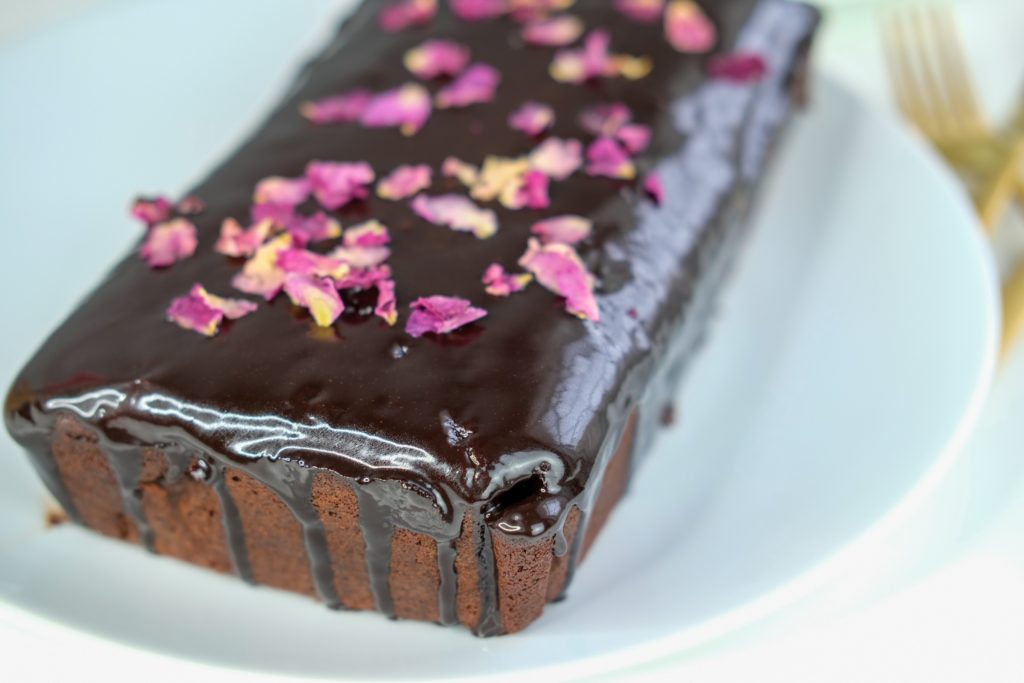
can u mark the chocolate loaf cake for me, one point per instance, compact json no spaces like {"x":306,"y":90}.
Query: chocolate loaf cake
{"x":402,"y":350}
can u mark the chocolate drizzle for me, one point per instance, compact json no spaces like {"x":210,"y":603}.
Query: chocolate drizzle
{"x":234,"y":534}
{"x":448,"y":588}
{"x":378,"y":530}
{"x":538,"y":398}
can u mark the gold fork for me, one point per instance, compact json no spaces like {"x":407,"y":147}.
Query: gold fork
{"x":932,"y":86}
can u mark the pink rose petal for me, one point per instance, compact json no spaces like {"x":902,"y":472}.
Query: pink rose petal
{"x":407,"y":108}
{"x":236,"y":241}
{"x":634,"y":137}
{"x":169,"y":242}
{"x":563,"y":229}
{"x":532,"y":118}
{"x":336,"y":183}
{"x":441,"y":315}
{"x":557,"y":158}
{"x":534,"y":191}
{"x":315,"y":228}
{"x":281,"y":215}
{"x":191,"y":205}
{"x":436,"y":58}
{"x":644,"y":11}
{"x":477,"y":84}
{"x":553,"y":32}
{"x":655,"y":188}
{"x":467,"y":174}
{"x":282,"y":191}
{"x":317,"y":295}
{"x":594,"y":61}
{"x":369,"y":234}
{"x":304,"y":262}
{"x":404,"y":182}
{"x":364,"y":278}
{"x":500,"y":178}
{"x":738,"y":67}
{"x":478,"y":10}
{"x":606,"y":157}
{"x":261,"y":275}
{"x":152,"y":211}
{"x":500,"y":283}
{"x":400,"y":15}
{"x":387,"y":305}
{"x":559,"y":269}
{"x":203,"y":312}
{"x":456,"y":212}
{"x":688,"y":29}
{"x":605,"y":119}
{"x":533,"y":10}
{"x":344,"y":108}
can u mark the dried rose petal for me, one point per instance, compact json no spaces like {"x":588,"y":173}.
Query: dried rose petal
{"x":237,"y":241}
{"x":441,"y":315}
{"x":362,"y":257}
{"x":203,"y":312}
{"x":336,"y":183}
{"x":532,"y":118}
{"x":369,"y":234}
{"x":533,"y":194}
{"x":553,"y":32}
{"x":436,"y":58}
{"x":500,"y":177}
{"x":688,"y":29}
{"x":232,"y":309}
{"x":655,"y":188}
{"x":644,"y":11}
{"x":345,"y":108}
{"x":563,"y":229}
{"x":605,"y":120}
{"x":634,"y":137}
{"x":595,"y":60}
{"x":281,"y":215}
{"x":738,"y":67}
{"x":282,"y":191}
{"x":364,"y":278}
{"x":315,"y":228}
{"x":405,"y":13}
{"x":478,"y":10}
{"x":557,"y":158}
{"x":500,"y":283}
{"x":407,"y":108}
{"x":317,"y":295}
{"x":152,"y":211}
{"x":467,"y":174}
{"x":456,"y":212}
{"x":387,"y":304}
{"x":559,"y":269}
{"x":169,"y":242}
{"x":304,"y":262}
{"x":477,"y":84}
{"x":629,"y":67}
{"x":606,"y":157}
{"x":404,"y":182}
{"x":191,"y":205}
{"x":261,"y":274}
{"x":529,"y":10}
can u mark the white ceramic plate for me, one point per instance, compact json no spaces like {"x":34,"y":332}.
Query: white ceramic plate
{"x":849,"y":361}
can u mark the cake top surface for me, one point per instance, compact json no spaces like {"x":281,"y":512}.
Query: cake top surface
{"x":518,"y":382}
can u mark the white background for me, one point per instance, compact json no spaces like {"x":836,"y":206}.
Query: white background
{"x":942,"y":597}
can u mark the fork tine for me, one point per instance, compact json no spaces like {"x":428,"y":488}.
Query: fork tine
{"x":957,"y":83}
{"x":904,"y":82}
{"x":931,"y":75}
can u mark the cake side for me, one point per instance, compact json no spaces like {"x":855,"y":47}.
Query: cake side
{"x":450,"y":480}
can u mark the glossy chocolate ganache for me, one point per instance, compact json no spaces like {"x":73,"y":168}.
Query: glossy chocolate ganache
{"x":509,"y":421}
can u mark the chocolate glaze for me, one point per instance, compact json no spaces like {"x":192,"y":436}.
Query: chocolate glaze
{"x":510,"y":420}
